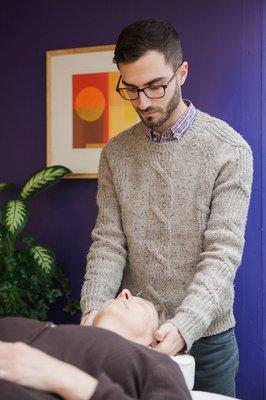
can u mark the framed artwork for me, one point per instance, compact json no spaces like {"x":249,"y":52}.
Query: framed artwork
{"x":83,"y":109}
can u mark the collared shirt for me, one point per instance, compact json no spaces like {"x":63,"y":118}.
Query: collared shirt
{"x":177,"y":130}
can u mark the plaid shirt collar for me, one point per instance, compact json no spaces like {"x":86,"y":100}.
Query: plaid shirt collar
{"x":177,"y":130}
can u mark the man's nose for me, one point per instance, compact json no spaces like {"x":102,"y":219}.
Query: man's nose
{"x":143,"y":101}
{"x":125,"y":295}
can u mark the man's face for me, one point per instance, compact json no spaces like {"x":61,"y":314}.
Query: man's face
{"x":149,"y":70}
{"x":136,"y":318}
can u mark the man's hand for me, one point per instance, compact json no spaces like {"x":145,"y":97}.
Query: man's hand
{"x":88,"y":318}
{"x":27,"y":366}
{"x":171,"y":341}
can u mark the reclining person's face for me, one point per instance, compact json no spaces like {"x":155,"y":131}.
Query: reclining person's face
{"x":131,"y":317}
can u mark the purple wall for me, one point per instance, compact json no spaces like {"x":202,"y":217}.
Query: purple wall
{"x":222,"y":42}
{"x":263,"y":162}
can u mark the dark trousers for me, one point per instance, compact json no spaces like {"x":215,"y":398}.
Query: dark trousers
{"x":217,"y":362}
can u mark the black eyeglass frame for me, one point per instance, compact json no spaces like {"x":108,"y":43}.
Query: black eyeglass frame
{"x":143,"y":90}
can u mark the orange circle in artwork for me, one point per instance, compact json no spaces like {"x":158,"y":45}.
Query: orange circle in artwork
{"x":90,"y":103}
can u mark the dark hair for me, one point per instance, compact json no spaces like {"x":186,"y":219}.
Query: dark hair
{"x":149,"y":34}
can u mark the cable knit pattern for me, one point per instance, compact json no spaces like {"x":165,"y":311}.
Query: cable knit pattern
{"x":171,"y":224}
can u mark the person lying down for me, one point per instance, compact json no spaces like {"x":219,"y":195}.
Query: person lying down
{"x":110,"y":360}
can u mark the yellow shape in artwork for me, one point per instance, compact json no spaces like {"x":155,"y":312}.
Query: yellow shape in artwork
{"x":89,"y":103}
{"x":114,"y":98}
{"x":121,"y":118}
{"x":122,"y":115}
{"x":90,"y":114}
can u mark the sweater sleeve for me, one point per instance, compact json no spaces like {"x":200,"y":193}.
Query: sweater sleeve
{"x":107,"y":256}
{"x":209,"y":295}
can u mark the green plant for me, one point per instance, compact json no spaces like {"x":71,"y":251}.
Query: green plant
{"x":30,"y":279}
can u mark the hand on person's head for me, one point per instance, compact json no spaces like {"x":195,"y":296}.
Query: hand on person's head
{"x":87,"y":320}
{"x":169,"y":340}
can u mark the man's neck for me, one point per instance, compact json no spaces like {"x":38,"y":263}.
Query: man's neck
{"x":107,"y":323}
{"x":176,"y":115}
{"x":110,"y":325}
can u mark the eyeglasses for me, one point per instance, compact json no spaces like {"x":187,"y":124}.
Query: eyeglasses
{"x":152,"y":92}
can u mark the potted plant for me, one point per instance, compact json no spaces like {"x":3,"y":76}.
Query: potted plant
{"x":30,"y":279}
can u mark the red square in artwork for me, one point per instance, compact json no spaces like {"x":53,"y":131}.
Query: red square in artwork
{"x":90,"y":110}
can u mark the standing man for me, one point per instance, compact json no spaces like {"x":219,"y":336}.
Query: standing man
{"x":173,"y":198}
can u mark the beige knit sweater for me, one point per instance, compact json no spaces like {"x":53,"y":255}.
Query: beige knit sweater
{"x":171,"y":224}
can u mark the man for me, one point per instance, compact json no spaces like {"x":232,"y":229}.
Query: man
{"x":79,"y":363}
{"x":173,"y":199}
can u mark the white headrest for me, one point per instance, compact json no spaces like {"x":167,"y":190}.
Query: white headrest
{"x":187,"y":366}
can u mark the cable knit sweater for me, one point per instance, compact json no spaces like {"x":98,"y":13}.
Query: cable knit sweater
{"x":171,"y":224}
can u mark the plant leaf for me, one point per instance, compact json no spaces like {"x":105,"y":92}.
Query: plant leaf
{"x":72,"y":307}
{"x":6,"y":186}
{"x":42,"y":180}
{"x":15,"y":216}
{"x":2,"y":240}
{"x":43,"y":258}
{"x":28,"y":241}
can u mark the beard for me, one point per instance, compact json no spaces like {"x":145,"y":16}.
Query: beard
{"x":173,"y":103}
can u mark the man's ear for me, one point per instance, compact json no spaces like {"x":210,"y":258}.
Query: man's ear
{"x":183,"y":73}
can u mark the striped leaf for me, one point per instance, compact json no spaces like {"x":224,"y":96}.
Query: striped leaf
{"x":43,"y":258}
{"x":15,"y":216}
{"x":42,"y":180}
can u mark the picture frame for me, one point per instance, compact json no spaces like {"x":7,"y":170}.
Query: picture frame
{"x":84,"y":111}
